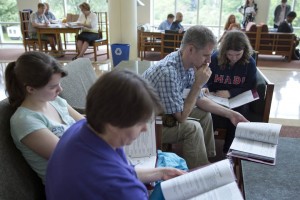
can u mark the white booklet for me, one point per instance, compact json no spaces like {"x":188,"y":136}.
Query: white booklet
{"x":239,"y":100}
{"x":256,"y":141}
{"x":142,"y":152}
{"x":214,"y":182}
{"x":73,"y":25}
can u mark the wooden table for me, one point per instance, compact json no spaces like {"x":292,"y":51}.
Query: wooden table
{"x":55,"y":29}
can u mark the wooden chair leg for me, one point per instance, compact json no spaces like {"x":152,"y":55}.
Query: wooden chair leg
{"x":65,"y":41}
{"x":107,"y":50}
{"x":95,"y":53}
{"x":25,"y":46}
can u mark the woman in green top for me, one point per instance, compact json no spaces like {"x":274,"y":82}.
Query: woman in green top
{"x":41,"y":116}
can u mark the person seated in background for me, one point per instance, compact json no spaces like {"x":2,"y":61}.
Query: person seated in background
{"x":89,"y":21}
{"x":38,"y":19}
{"x":176,"y":25}
{"x":231,"y":24}
{"x":287,"y":27}
{"x":50,"y":16}
{"x":281,"y":12}
{"x":89,"y":162}
{"x":166,"y":25}
{"x":179,"y":72}
{"x":233,"y":72}
{"x":41,"y":117}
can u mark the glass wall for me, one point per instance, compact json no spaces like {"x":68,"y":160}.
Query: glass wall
{"x":211,"y":13}
{"x":10,"y":22}
{"x":10,"y":31}
{"x":214,"y":13}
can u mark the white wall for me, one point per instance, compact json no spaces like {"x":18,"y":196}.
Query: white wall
{"x":263,"y":11}
{"x":27,"y":4}
{"x":144,"y":12}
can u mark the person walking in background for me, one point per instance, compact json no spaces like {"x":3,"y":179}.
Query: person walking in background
{"x":41,"y":117}
{"x":166,"y":25}
{"x":89,"y":21}
{"x":89,"y":162}
{"x":287,"y":27}
{"x":281,"y":12}
{"x":176,"y":25}
{"x":233,"y":72}
{"x":179,"y":72}
{"x":50,"y":16}
{"x":249,"y":11}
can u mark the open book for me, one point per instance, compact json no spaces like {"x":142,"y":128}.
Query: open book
{"x":215,"y":181}
{"x":239,"y":100}
{"x":256,"y":141}
{"x":142,"y":152}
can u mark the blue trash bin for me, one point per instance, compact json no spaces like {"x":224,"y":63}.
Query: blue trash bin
{"x":120,"y":52}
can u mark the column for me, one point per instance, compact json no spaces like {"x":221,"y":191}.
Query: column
{"x":123,"y":24}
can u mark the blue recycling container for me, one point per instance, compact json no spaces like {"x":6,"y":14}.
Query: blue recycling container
{"x":120,"y":52}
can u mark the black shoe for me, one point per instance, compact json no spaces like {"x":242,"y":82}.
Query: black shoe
{"x":74,"y":58}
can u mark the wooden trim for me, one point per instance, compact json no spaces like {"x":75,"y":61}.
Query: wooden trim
{"x":268,"y":97}
{"x":272,"y":43}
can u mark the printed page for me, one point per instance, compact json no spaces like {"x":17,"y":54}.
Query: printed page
{"x":199,"y":181}
{"x":144,"y":147}
{"x":251,"y":148}
{"x":243,"y":98}
{"x":228,"y":192}
{"x":260,"y":131}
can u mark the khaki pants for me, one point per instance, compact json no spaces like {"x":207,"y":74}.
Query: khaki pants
{"x":197,"y":138}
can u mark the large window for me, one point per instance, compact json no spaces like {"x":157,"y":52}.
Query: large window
{"x":71,"y":6}
{"x":9,"y":22}
{"x":295,"y":6}
{"x":211,"y":13}
{"x":9,"y":15}
{"x":214,"y":13}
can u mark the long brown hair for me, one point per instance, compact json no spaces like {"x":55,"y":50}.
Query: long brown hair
{"x":234,"y":40}
{"x":228,"y":21}
{"x":33,"y":69}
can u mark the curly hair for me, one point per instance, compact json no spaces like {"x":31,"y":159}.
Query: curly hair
{"x":237,"y":41}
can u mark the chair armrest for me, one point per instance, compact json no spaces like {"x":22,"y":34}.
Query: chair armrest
{"x":261,"y":108}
